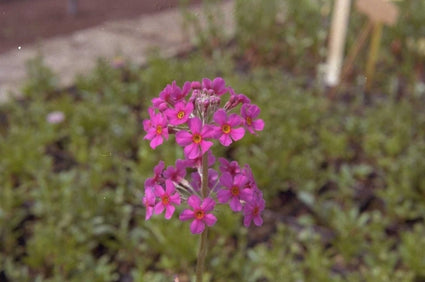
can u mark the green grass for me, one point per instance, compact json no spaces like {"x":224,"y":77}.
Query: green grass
{"x":343,"y":178}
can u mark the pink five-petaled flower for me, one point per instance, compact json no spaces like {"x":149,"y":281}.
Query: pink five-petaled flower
{"x":157,"y":178}
{"x":180,"y":114}
{"x":249,"y":112}
{"x":218,"y":85}
{"x":252,"y":211}
{"x":226,"y":130}
{"x":166,"y":199}
{"x":156,"y":129}
{"x":194,"y":142}
{"x":149,"y":202}
{"x":199,"y":214}
{"x":177,"y":173}
{"x":234,"y":191}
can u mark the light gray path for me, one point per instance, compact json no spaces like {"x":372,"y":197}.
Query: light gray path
{"x":77,"y":53}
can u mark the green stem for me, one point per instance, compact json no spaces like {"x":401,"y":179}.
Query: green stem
{"x":202,"y":251}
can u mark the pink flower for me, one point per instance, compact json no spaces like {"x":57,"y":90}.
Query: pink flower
{"x":227,"y":131}
{"x":194,"y":143}
{"x":167,"y":199}
{"x":55,"y":117}
{"x":234,"y":192}
{"x":170,"y":95}
{"x":230,"y":167}
{"x":235,"y":99}
{"x":180,"y":114}
{"x":156,"y":128}
{"x":250,"y":112}
{"x":176,"y":173}
{"x":149,"y":202}
{"x":252,"y":211}
{"x":157,"y":178}
{"x":218,"y":85}
{"x":199,"y":214}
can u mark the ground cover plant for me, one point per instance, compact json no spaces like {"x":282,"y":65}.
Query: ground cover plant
{"x":342,"y":179}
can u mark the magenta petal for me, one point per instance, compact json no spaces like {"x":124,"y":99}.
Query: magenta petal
{"x":175,"y":199}
{"x":159,"y":191}
{"x":195,"y":125}
{"x":237,"y":133}
{"x":208,"y":204}
{"x":258,"y":124}
{"x":218,"y":83}
{"x":194,"y":201}
{"x":197,"y":226}
{"x":183,"y":138}
{"x":159,"y":208}
{"x":205,"y":146}
{"x":210,"y":131}
{"x":234,"y":120}
{"x":225,"y":140}
{"x":210,"y":219}
{"x":169,"y":210}
{"x":226,"y":180}
{"x":156,"y":141}
{"x":235,"y":204}
{"x":186,"y":215}
{"x":169,"y":187}
{"x":192,"y":151}
{"x":220,"y":116}
{"x":258,"y":220}
{"x":223,"y":196}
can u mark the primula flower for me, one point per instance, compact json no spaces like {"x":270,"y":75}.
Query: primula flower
{"x":157,"y":178}
{"x":167,"y":199}
{"x":252,"y":211}
{"x":156,"y":129}
{"x":234,"y":192}
{"x":235,"y":99}
{"x":218,"y":85}
{"x":194,"y":143}
{"x":230,"y":167}
{"x":227,"y":131}
{"x":180,"y":114}
{"x":249,"y":113}
{"x":149,"y":202}
{"x":176,"y":173}
{"x":170,"y":95}
{"x":199,"y":214}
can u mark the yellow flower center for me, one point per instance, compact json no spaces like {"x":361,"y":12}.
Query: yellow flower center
{"x":158,"y":129}
{"x":180,"y":115}
{"x":234,"y":190}
{"x":199,"y":214}
{"x":196,"y":138}
{"x":249,"y":120}
{"x":225,"y":128}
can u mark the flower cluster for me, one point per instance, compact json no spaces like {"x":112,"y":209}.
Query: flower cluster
{"x":195,"y":115}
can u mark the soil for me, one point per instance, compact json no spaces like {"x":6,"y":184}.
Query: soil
{"x":28,"y":21}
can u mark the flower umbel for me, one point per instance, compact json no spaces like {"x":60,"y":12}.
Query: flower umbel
{"x":200,"y":115}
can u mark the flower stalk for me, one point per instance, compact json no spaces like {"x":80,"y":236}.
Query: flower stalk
{"x":202,"y":251}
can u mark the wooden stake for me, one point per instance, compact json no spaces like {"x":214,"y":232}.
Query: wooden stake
{"x":337,"y":41}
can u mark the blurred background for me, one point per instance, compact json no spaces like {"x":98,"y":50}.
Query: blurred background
{"x":342,"y":169}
